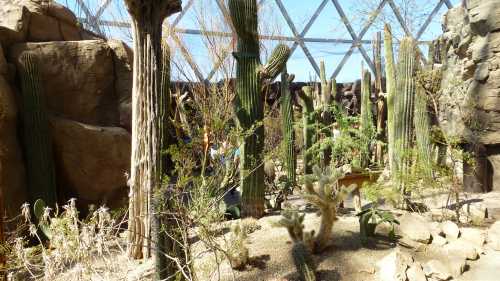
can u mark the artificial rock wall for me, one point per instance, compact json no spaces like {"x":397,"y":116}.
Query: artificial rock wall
{"x":87,"y":84}
{"x":470,"y":101}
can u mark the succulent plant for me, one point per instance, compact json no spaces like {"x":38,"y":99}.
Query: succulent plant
{"x":36,"y":133}
{"x":367,"y":128}
{"x":249,"y":107}
{"x":308,"y":124}
{"x":288,"y":131}
{"x":326,"y":196}
{"x":390,"y":74}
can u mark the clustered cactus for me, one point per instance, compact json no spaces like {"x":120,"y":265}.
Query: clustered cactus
{"x":249,"y":107}
{"x":288,"y":131}
{"x":322,"y":191}
{"x":36,"y":134}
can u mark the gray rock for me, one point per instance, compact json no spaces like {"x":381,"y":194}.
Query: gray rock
{"x":437,"y":270}
{"x":494,"y":236}
{"x":474,"y":236}
{"x":475,"y":213}
{"x":462,"y":248}
{"x":450,"y":230}
{"x":416,"y":273}
{"x":482,"y":72}
{"x":415,"y":228}
{"x":456,"y":265}
{"x":393,"y":266}
{"x":438,"y":240}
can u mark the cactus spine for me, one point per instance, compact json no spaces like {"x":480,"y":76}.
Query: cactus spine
{"x":390,"y":73}
{"x":36,"y":133}
{"x":404,"y":105}
{"x":249,"y":107}
{"x":288,"y":132}
{"x":367,"y":128}
{"x":308,"y":124}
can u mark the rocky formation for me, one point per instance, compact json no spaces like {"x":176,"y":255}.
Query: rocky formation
{"x":87,"y":84}
{"x":471,"y":88}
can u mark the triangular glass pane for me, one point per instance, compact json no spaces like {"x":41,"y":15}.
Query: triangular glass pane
{"x":272,"y":21}
{"x":328,"y":25}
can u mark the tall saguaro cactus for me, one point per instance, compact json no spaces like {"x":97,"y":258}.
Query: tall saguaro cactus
{"x":390,"y":72}
{"x":145,"y":174}
{"x":367,"y":128}
{"x":288,"y":132}
{"x":249,"y":101}
{"x":404,"y":105}
{"x":308,"y":124}
{"x":36,"y":134}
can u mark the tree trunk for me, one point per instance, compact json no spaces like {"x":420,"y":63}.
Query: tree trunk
{"x":145,"y":173}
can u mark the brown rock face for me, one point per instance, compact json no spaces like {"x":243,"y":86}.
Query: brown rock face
{"x":92,"y":161}
{"x":78,"y":79}
{"x":43,"y":28}
{"x":12,"y":174}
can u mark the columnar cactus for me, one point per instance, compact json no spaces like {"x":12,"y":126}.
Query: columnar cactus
{"x":308,"y":123}
{"x":390,"y":73}
{"x":288,"y":131}
{"x":404,"y":105}
{"x":36,"y":134}
{"x":422,"y":131}
{"x":366,"y":126}
{"x":248,"y":102}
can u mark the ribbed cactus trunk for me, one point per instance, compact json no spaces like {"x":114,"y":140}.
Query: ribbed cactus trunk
{"x":249,"y":106}
{"x":165,"y":232}
{"x":147,"y":17}
{"x":36,"y":134}
{"x":422,"y":132}
{"x":390,"y":72}
{"x":404,"y":105}
{"x":288,"y":131}
{"x":367,"y":128}
{"x":308,"y":127}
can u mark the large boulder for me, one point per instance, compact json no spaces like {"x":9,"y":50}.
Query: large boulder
{"x":393,"y":266}
{"x":92,"y":162}
{"x":12,"y":173}
{"x":37,"y":21}
{"x":415,"y":227}
{"x":123,"y":58}
{"x":78,"y":79}
{"x":494,"y":236}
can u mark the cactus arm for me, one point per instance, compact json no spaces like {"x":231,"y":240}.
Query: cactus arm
{"x":276,"y":62}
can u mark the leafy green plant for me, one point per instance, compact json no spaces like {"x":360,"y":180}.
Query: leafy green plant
{"x":370,"y":218}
